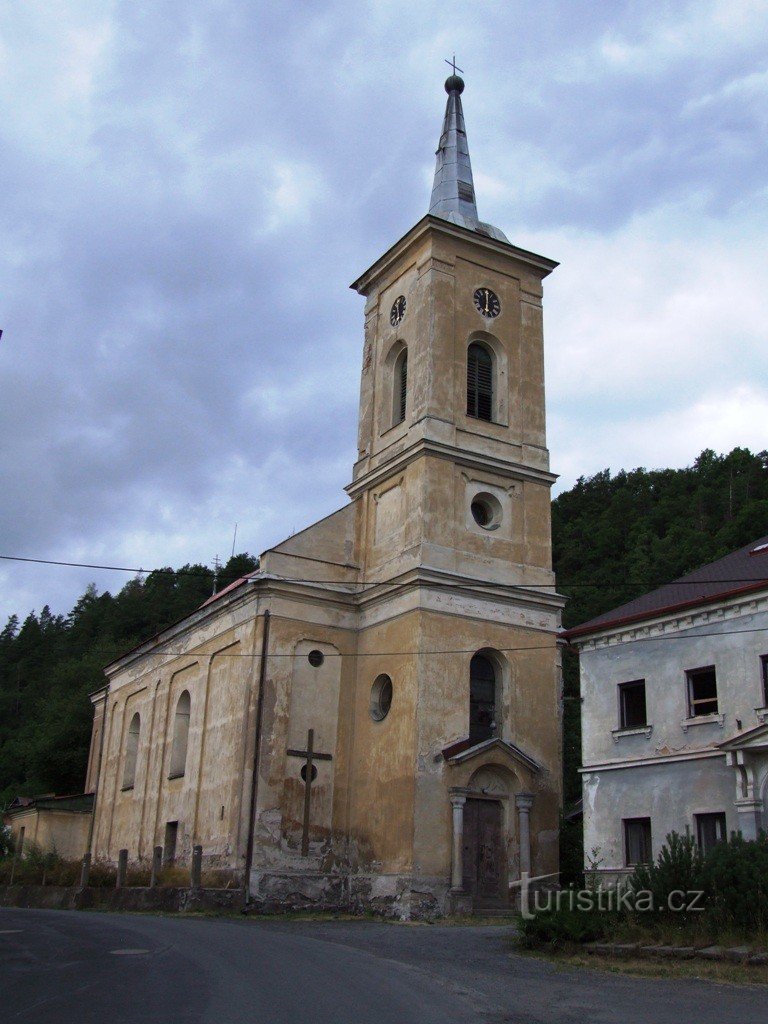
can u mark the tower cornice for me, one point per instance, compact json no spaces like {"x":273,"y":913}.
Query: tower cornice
{"x":365,"y":283}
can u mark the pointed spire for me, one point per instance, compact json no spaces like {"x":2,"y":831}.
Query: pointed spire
{"x":453,"y":191}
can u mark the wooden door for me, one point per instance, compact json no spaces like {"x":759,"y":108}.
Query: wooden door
{"x":484,"y":860}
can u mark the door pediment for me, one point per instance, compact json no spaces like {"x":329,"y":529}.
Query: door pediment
{"x":507,"y":753}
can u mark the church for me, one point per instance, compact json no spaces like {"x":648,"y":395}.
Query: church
{"x":371,"y":720}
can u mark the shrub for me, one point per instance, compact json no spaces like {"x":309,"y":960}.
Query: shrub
{"x":678,"y":869}
{"x":102,"y":875}
{"x":7,"y":845}
{"x":735,"y":878}
{"x":560,"y":927}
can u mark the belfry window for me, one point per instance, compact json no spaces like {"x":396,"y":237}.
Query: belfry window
{"x":482,"y":699}
{"x":131,"y":752}
{"x":400,"y":389}
{"x":180,"y":736}
{"x":479,"y":382}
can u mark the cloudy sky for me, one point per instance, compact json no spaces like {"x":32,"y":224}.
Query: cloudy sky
{"x":187,"y":189}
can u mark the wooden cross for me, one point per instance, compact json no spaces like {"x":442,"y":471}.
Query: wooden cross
{"x":453,"y":65}
{"x":311,"y":755}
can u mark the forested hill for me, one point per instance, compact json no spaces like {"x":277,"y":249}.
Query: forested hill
{"x":50,"y":663}
{"x":614,"y":538}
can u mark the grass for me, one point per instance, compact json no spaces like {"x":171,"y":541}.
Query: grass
{"x":693,"y":970}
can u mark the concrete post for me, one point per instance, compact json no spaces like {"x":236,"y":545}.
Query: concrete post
{"x":524,"y":802}
{"x":157,"y":864}
{"x":197,"y":866}
{"x":85,"y":871}
{"x":457,"y":865}
{"x":122,"y":867}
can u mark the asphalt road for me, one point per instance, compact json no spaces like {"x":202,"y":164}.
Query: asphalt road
{"x":60,"y":967}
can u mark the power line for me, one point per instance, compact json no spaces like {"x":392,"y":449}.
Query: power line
{"x":120,"y":652}
{"x":201,"y":570}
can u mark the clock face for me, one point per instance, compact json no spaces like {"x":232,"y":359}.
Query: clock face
{"x":397,"y":312}
{"x":487,"y":303}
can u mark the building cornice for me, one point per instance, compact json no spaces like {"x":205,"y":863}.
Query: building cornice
{"x":459,"y":456}
{"x":670,"y":621}
{"x":647,"y":762}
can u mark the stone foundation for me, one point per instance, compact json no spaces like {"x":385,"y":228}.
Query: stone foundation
{"x":395,"y":896}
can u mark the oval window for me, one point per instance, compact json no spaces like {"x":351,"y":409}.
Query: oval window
{"x":315,"y":658}
{"x":381,"y":697}
{"x":486,"y":511}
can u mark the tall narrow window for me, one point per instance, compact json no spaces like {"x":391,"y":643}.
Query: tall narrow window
{"x":479,"y":382}
{"x":764,"y":671}
{"x":131,"y":752}
{"x":400,"y":386}
{"x":482,"y":699}
{"x":180,"y":736}
{"x":637,"y":841}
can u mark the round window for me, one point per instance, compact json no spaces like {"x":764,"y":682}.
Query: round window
{"x":304,"y":772}
{"x":381,"y":697}
{"x":486,"y":511}
{"x":315,"y":658}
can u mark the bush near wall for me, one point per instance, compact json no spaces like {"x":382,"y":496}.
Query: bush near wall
{"x":733,"y":877}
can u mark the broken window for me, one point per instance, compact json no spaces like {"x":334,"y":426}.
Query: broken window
{"x":637,"y":841}
{"x":702,"y":691}
{"x":632,"y":713}
{"x":180,"y":736}
{"x":710,"y":830}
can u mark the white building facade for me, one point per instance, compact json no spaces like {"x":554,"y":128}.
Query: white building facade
{"x":674,"y":689}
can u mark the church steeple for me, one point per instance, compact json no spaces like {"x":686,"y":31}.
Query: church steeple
{"x":453,"y":190}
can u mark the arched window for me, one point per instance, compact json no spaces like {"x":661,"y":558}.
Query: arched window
{"x":400,"y":387}
{"x":180,"y":736}
{"x":479,"y":382}
{"x":131,"y":752}
{"x":482,"y":699}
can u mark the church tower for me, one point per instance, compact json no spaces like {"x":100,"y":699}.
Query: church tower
{"x":453,"y":485}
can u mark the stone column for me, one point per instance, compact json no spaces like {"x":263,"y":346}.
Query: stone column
{"x":197,"y":866}
{"x":85,"y":871}
{"x":524,"y":802}
{"x":457,"y":865}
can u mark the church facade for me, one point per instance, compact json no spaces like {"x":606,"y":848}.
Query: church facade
{"x":372,"y":718}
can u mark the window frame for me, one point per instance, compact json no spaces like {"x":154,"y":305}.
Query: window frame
{"x":690,"y":679}
{"x":474,"y":389}
{"x":646,"y":840}
{"x":623,"y":690}
{"x":478,"y":730}
{"x":716,"y":817}
{"x":400,"y":387}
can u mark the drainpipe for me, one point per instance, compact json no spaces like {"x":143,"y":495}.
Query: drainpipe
{"x":256,"y":753}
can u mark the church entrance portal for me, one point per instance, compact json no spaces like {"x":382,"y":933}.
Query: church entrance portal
{"x":484,"y":862}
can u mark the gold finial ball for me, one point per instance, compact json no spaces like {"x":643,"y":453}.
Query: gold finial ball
{"x":454,"y":84}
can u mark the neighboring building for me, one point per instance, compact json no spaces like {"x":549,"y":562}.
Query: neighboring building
{"x":59,"y":823}
{"x":674,"y":689}
{"x":409,"y":640}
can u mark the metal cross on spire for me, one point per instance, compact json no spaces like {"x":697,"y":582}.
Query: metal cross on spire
{"x":452,"y":63}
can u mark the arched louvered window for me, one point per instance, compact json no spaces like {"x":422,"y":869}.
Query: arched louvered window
{"x":479,"y":382}
{"x":131,"y":752}
{"x":180,"y":736}
{"x":482,"y":699}
{"x":400,"y":386}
